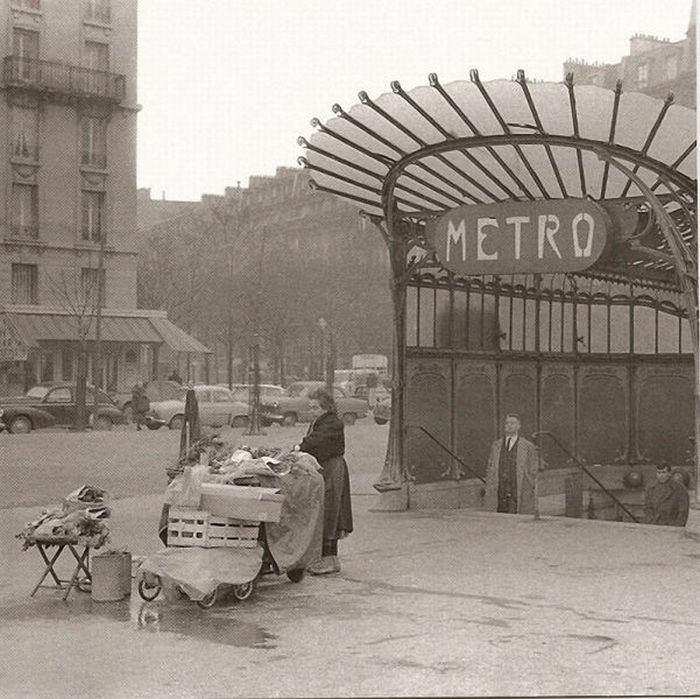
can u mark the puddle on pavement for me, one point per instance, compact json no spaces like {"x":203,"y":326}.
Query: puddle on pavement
{"x":183,"y":618}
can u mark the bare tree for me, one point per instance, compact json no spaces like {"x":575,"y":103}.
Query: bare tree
{"x":78,"y":297}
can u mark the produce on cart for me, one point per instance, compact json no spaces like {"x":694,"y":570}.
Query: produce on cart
{"x":246,"y":510}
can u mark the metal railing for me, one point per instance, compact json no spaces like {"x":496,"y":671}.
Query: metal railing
{"x":60,"y":78}
{"x":444,"y":448}
{"x":580,"y":465}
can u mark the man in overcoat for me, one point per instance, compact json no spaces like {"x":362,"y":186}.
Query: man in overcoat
{"x":666,"y":501}
{"x":511,"y":472}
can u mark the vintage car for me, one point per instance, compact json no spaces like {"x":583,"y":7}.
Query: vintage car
{"x":294,"y":406}
{"x":243,"y":391}
{"x":157,"y":390}
{"x":54,"y":405}
{"x":217,"y":407}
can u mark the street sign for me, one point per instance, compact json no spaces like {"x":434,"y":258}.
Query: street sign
{"x":548,"y":236}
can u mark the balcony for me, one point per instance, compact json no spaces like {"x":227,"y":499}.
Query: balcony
{"x":61,"y":80}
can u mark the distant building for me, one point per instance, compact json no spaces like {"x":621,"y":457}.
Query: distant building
{"x":653,"y":66}
{"x":317,"y":231}
{"x":68,"y":110}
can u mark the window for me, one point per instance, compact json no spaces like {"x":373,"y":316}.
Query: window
{"x":671,"y":67}
{"x":26,"y":49}
{"x":97,"y":59}
{"x":93,"y":139}
{"x":88,"y":283}
{"x":204,"y":396}
{"x":46,"y":371}
{"x":67,"y":365}
{"x":92,"y":215}
{"x":96,"y":55}
{"x":25,"y":132}
{"x":59,"y":395}
{"x":25,"y":211}
{"x":97,"y":11}
{"x":25,"y":284}
{"x":643,"y":75}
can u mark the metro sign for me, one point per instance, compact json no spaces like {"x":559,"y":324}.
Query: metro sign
{"x":558,"y":235}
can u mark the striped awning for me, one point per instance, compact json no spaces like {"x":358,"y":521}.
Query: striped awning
{"x":177,"y":339}
{"x":32,"y":328}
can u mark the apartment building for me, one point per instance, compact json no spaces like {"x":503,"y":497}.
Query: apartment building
{"x":68,"y":112}
{"x":655,"y":66}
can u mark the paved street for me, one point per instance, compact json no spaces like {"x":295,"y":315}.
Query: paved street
{"x":432,"y":603}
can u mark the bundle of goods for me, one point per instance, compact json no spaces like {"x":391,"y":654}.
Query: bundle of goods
{"x":82,"y":518}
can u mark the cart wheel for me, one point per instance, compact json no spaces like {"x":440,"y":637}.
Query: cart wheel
{"x":150,"y":591}
{"x":296,"y":575}
{"x":208,"y":601}
{"x":243,"y":592}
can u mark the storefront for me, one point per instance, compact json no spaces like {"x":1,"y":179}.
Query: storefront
{"x":543,"y":243}
{"x":40,"y":344}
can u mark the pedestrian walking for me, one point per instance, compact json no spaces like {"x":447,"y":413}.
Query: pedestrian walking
{"x":325,"y":441}
{"x":666,"y":501}
{"x":511,"y":472}
{"x":139,"y":405}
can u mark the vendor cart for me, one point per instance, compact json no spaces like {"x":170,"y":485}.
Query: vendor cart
{"x":208,"y":555}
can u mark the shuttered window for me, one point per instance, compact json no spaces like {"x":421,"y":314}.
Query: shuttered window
{"x":93,"y":136}
{"x":25,"y":284}
{"x":25,"y":211}
{"x":92,"y":215}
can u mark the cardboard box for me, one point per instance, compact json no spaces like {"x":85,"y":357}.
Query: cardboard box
{"x":240,"y":502}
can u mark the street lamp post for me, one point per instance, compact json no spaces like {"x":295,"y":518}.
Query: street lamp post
{"x":331,"y":356}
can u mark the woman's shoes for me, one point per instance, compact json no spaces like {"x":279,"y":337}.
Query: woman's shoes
{"x":327,"y":564}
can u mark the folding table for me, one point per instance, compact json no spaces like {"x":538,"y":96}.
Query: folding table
{"x":82,"y":558}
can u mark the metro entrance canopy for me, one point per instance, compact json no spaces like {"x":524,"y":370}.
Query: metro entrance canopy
{"x":540,"y":193}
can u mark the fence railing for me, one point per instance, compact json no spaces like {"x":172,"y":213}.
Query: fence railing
{"x":54,"y":77}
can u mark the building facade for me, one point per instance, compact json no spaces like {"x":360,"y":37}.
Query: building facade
{"x":68,"y":111}
{"x":327,"y":263}
{"x":653,"y":66}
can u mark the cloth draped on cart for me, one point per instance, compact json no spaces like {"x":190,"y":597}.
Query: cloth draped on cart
{"x":199,"y":571}
{"x":293,"y":543}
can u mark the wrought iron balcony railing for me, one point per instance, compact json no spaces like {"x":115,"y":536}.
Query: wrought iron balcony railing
{"x":60,"y":79}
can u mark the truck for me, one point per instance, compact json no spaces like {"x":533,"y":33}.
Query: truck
{"x":377,"y":363}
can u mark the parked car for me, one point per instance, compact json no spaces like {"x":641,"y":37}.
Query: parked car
{"x":243,"y":391}
{"x":157,"y":390}
{"x":295,"y":406}
{"x":54,"y":405}
{"x":217,"y":407}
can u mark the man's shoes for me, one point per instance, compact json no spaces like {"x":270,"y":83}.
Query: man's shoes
{"x":328,"y":564}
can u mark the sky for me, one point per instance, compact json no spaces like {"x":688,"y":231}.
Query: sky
{"x":227,"y":86}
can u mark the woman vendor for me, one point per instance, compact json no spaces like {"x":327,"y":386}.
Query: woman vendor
{"x":325,"y":441}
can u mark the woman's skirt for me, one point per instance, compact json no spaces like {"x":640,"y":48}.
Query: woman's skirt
{"x":337,"y":515}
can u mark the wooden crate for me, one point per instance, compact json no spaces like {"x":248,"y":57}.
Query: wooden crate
{"x":190,"y":527}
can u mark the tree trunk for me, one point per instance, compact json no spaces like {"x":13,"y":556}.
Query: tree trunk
{"x":81,"y":388}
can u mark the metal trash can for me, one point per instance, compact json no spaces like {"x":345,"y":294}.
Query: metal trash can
{"x":108,"y":577}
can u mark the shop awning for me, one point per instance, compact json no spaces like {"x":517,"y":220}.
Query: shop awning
{"x":177,"y":339}
{"x":35,"y":327}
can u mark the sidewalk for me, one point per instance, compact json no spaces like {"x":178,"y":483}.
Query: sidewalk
{"x":428,"y":603}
